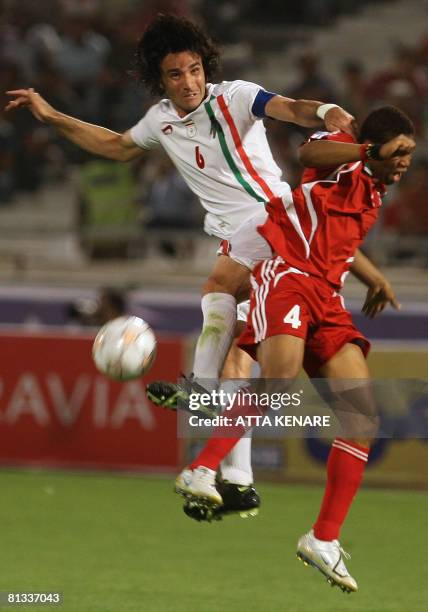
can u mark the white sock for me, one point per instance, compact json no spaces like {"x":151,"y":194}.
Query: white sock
{"x":219,"y":311}
{"x":236,"y":466}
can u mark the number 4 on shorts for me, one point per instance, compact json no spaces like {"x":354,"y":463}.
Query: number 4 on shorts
{"x":293,"y":317}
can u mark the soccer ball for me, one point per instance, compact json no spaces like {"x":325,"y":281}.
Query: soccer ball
{"x":124,"y":348}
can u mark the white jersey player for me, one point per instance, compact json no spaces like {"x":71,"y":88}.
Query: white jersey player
{"x":215,"y":136}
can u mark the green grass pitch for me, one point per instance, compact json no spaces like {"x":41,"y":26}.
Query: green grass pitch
{"x":117,"y":544}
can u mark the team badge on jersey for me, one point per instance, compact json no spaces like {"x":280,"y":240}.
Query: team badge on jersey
{"x":190,"y":129}
{"x":167,"y":129}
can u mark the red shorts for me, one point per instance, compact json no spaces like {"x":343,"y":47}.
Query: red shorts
{"x":286,"y":301}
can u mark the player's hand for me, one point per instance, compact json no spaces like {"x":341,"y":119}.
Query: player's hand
{"x":33,"y":101}
{"x":337,"y":119}
{"x":377,"y":298}
{"x":400,"y":145}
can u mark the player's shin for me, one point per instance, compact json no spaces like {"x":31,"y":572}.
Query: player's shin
{"x":219,"y":312}
{"x":345,"y":469}
{"x":236,"y":467}
{"x":225,"y":437}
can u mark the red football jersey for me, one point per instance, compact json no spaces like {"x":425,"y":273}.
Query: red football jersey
{"x":332,"y":211}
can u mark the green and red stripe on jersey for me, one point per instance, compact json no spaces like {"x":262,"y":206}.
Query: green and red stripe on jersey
{"x":239,"y":149}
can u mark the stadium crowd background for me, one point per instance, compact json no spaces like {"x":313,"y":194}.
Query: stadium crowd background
{"x":78,"y":54}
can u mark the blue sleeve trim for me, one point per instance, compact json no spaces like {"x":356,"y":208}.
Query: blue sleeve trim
{"x":260,"y":101}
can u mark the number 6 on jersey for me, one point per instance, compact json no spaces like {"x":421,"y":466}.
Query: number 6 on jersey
{"x":293,"y":317}
{"x":199,"y":158}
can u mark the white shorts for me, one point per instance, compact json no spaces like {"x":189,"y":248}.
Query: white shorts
{"x":246,"y":246}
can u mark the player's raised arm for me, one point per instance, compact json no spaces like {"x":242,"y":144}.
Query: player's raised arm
{"x":93,"y":138}
{"x":310,"y":113}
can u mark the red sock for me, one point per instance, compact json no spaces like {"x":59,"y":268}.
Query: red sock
{"x":218,"y":446}
{"x":345,"y":468}
{"x":214,"y":452}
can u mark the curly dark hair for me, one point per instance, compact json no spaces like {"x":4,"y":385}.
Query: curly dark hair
{"x":384,"y":124}
{"x":171,"y":34}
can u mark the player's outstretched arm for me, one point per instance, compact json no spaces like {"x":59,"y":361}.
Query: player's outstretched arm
{"x":310,"y":113}
{"x":327,"y":153}
{"x":379,"y":292}
{"x":92,"y":138}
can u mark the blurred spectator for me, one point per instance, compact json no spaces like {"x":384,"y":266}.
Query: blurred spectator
{"x":32,"y":158}
{"x":80,"y":7}
{"x":305,"y":11}
{"x":142,"y":13}
{"x":107,"y":305}
{"x":8,"y":135}
{"x":311,"y":83}
{"x":81,"y":59}
{"x":313,"y":12}
{"x":109,"y":219}
{"x":408,"y":212}
{"x":353,"y":95}
{"x":7,"y":156}
{"x":403,"y":84}
{"x":222,"y":19}
{"x":82,"y":53}
{"x":42,"y":43}
{"x":13,"y":49}
{"x":123,"y":102}
{"x":50,"y":83}
{"x":10,"y":74}
{"x":421,"y":53}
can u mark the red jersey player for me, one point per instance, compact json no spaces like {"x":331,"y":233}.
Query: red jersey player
{"x":297,"y":316}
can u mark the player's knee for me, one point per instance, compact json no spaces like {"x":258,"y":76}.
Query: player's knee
{"x":280,"y":371}
{"x":218,"y":284}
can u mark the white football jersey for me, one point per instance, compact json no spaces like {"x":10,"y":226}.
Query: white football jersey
{"x":221,"y":151}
